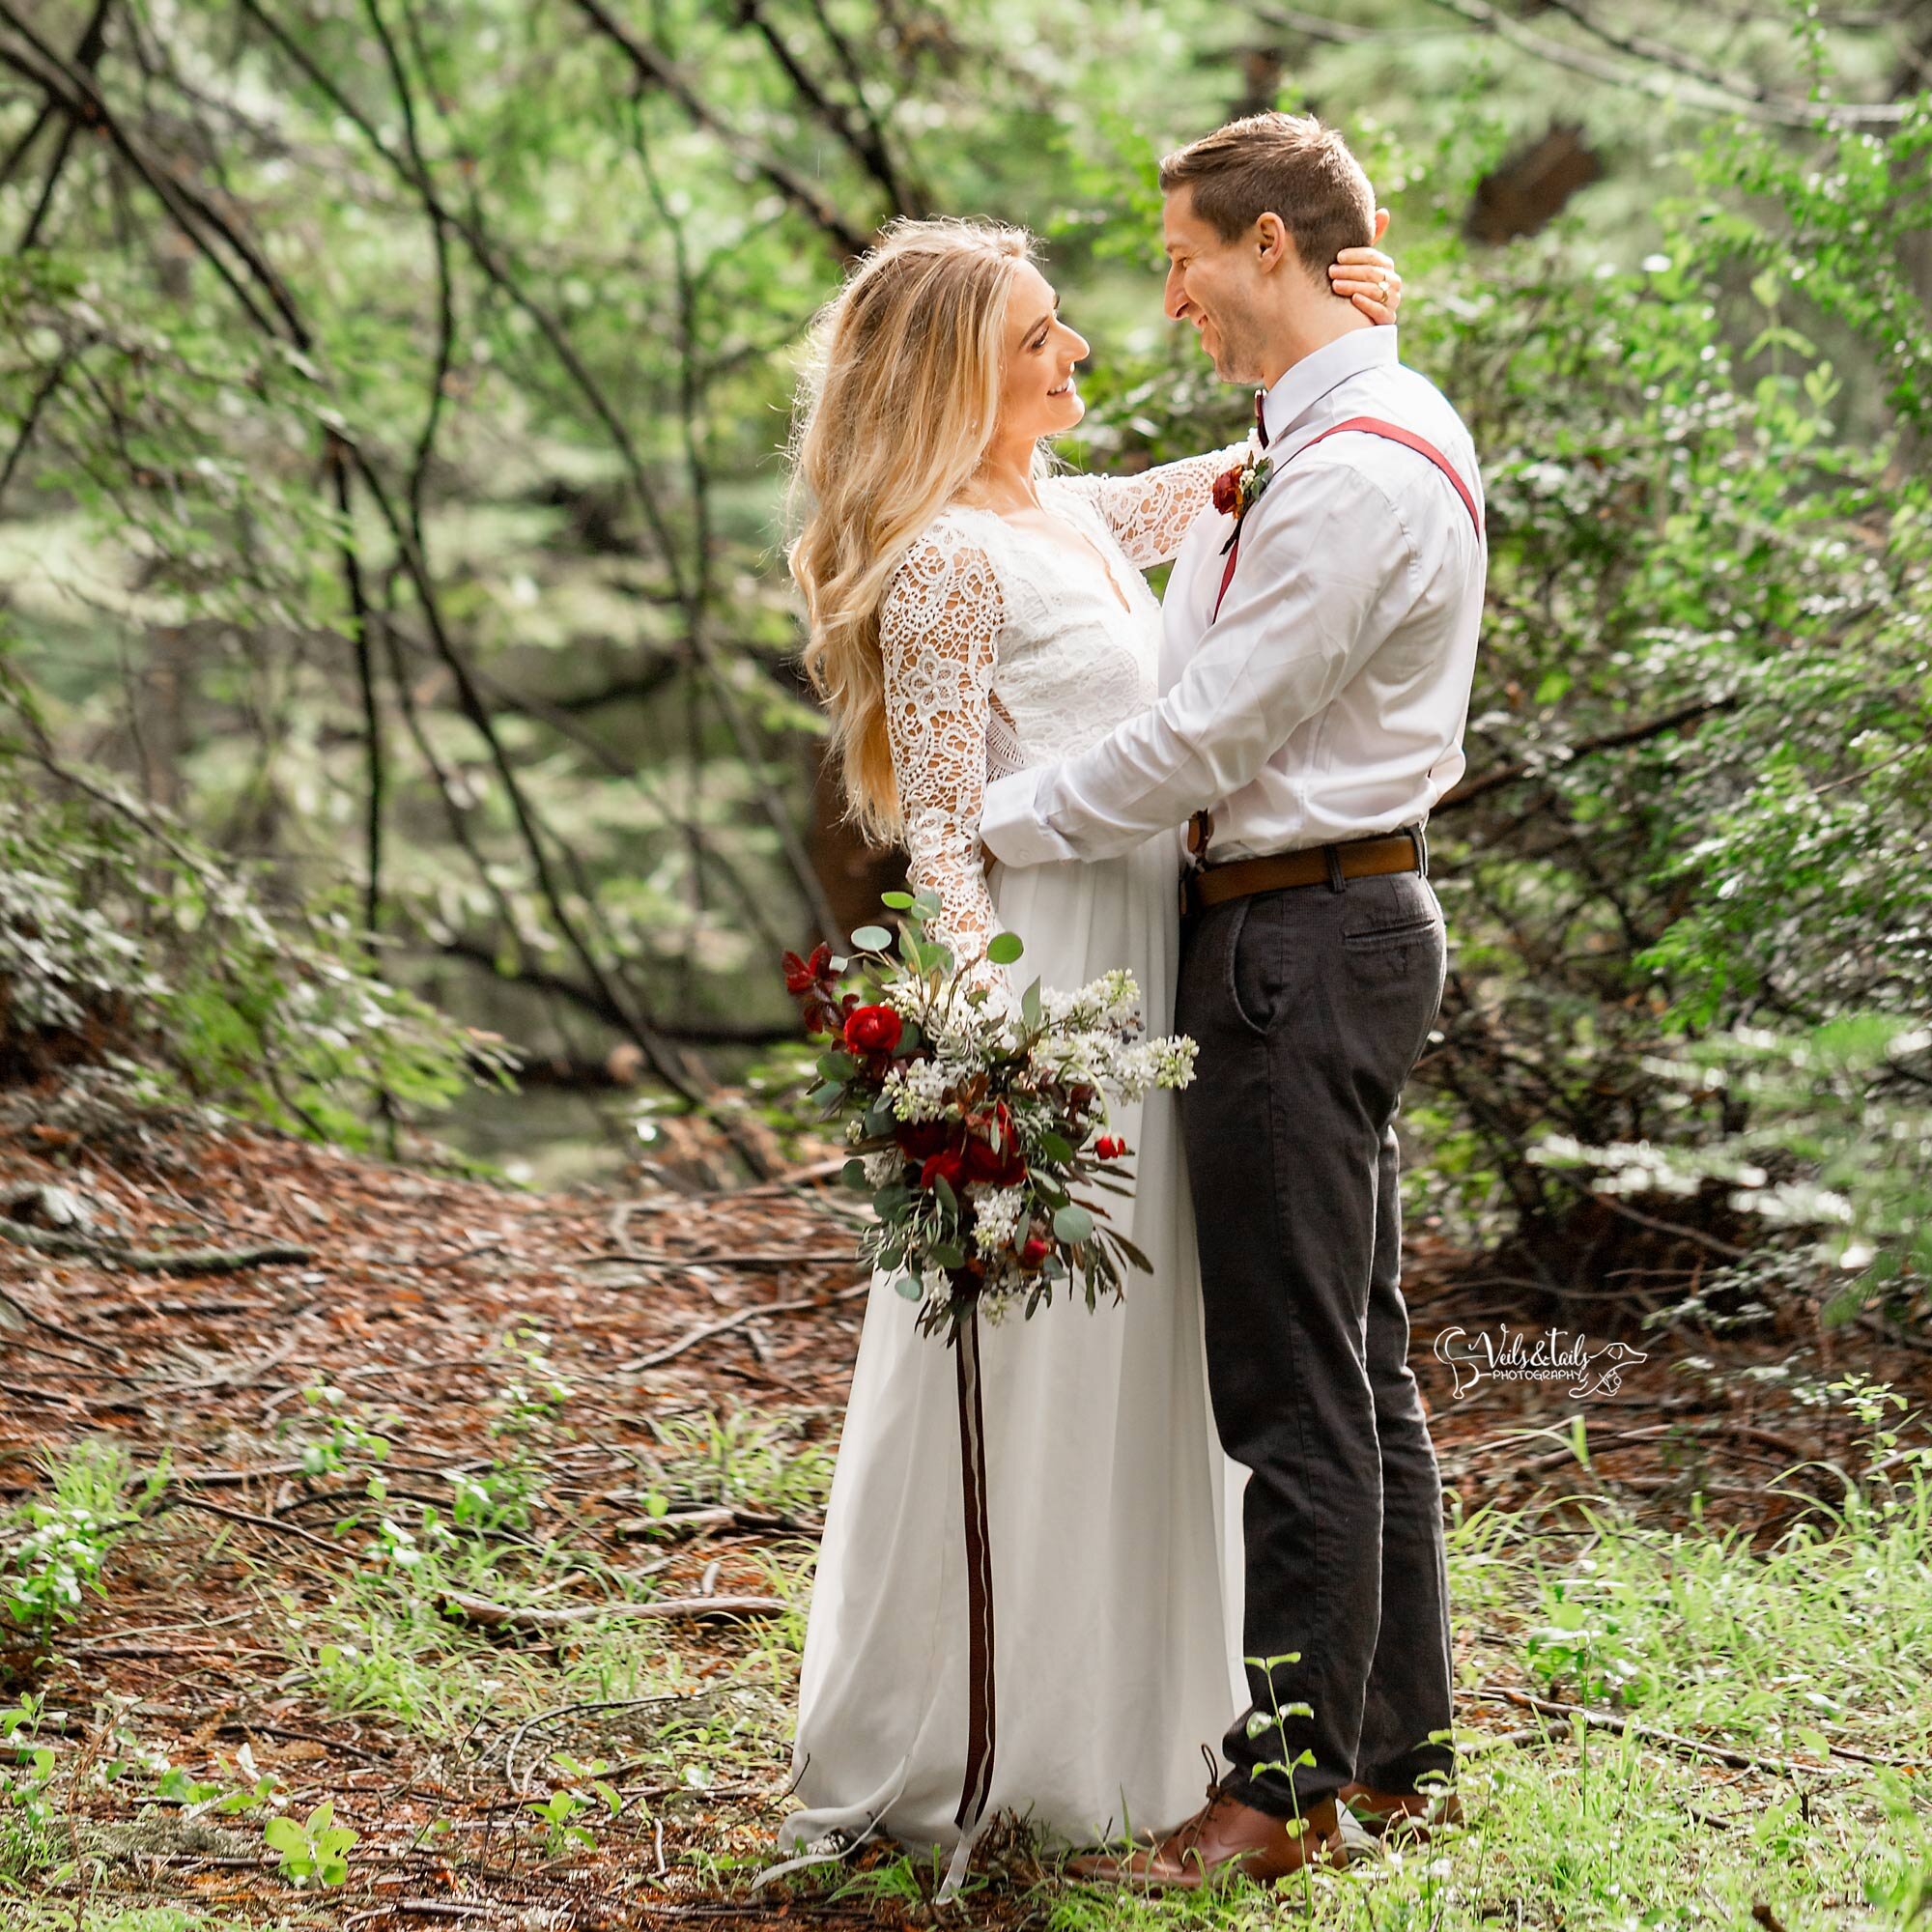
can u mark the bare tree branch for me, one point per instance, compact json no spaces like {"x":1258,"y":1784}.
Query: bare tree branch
{"x":202,"y":225}
{"x":86,"y":55}
{"x":1471,"y":789}
{"x":658,"y":69}
{"x":1772,"y":110}
{"x":862,"y":137}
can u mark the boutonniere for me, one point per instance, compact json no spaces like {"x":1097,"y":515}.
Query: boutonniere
{"x":1239,"y":490}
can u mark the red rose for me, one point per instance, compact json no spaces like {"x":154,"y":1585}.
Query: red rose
{"x":993,"y":1149}
{"x":1228,"y":490}
{"x":1000,"y":1170}
{"x":1034,"y":1253}
{"x":921,"y":1140}
{"x":1109,"y":1147}
{"x":948,"y":1162}
{"x":873,"y":1030}
{"x":802,"y":975}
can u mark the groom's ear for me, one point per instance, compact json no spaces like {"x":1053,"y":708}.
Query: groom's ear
{"x":1381,"y":223}
{"x":1274,"y":245}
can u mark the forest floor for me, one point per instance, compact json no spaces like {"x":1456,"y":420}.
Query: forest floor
{"x":483,"y":1528}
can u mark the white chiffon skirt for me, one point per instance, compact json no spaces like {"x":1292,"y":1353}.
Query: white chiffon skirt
{"x":1113,"y":1513}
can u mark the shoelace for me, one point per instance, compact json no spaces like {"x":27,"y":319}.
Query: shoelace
{"x":1190,"y":1834}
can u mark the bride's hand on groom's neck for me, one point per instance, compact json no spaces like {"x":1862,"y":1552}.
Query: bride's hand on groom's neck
{"x":1367,"y":277}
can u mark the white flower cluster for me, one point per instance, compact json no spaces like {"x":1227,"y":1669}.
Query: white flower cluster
{"x":1112,"y":1002}
{"x":884,"y":1167}
{"x":1167,"y":1061}
{"x":48,"y":1567}
{"x":917,"y":1089}
{"x":1124,"y":1068}
{"x":996,"y":1217}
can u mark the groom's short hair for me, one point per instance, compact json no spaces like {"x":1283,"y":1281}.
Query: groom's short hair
{"x":1286,"y":164}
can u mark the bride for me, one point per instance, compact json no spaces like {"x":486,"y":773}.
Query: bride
{"x":972,"y":613}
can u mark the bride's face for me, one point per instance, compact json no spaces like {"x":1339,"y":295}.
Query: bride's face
{"x":1038,"y":394}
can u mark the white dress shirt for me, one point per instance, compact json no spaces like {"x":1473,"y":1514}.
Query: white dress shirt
{"x":1327,"y":700}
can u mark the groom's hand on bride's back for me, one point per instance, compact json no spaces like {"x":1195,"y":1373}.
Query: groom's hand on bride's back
{"x":1368,"y":278}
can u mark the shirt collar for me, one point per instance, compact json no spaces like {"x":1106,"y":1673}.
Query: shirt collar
{"x":1302,"y":385}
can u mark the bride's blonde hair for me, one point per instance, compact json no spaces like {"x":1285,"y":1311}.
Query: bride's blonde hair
{"x":898,"y":406}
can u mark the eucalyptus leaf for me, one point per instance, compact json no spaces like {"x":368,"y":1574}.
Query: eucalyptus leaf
{"x":1031,"y":1009}
{"x":1072,"y":1224}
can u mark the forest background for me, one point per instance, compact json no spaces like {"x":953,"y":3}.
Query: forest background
{"x":396,"y":629}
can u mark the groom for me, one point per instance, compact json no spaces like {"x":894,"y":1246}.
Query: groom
{"x":1317,"y":666}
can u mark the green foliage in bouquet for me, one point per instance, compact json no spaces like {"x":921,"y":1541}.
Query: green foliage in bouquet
{"x":974,"y":1118}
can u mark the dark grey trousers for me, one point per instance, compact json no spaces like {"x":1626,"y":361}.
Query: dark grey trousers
{"x":1311,"y":1006}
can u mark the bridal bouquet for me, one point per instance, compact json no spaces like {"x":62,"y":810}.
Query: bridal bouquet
{"x":974,"y":1122}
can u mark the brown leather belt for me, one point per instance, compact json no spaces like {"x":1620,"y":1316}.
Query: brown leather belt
{"x":1331,"y":865}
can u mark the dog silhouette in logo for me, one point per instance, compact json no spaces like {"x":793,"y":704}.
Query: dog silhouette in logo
{"x":1605,"y":1374}
{"x":1465,"y":1365}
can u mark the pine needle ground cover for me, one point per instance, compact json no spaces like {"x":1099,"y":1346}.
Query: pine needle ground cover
{"x":456,"y":1573}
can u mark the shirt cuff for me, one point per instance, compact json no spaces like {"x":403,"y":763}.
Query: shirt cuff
{"x":1011,"y":828}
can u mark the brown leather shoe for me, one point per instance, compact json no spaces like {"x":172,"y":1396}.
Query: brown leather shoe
{"x":1225,"y":1836}
{"x":1402,"y":1816}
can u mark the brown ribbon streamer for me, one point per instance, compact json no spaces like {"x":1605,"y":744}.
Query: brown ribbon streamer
{"x":980,"y":1729}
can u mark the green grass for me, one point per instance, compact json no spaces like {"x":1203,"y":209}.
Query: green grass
{"x":1824,"y":1640}
{"x":1800,"y":1654}
{"x":382,"y":1645}
{"x":54,"y":1545}
{"x":744,"y":1461}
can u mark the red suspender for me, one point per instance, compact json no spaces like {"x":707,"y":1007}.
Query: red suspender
{"x":1368,"y":426}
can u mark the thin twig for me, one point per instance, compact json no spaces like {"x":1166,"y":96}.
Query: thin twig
{"x":40,"y":1321}
{"x":744,"y":1315}
{"x":792,"y":1259}
{"x":507,"y":1616}
{"x":594,"y":1704}
{"x":1606,"y":1721}
{"x":256,"y":1522}
{"x":110,"y":1253}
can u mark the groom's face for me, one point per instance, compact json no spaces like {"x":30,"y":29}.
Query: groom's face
{"x":1217,"y":286}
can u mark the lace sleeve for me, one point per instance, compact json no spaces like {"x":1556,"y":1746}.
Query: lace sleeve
{"x":937,"y":630}
{"x":1150,"y":513}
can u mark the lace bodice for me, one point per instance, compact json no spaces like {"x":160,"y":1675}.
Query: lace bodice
{"x":1006,"y":648}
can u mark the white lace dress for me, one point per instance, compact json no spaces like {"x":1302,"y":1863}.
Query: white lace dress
{"x":1114,"y":1515}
